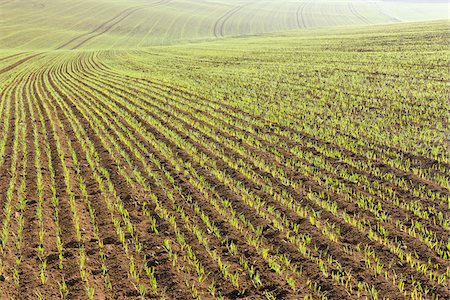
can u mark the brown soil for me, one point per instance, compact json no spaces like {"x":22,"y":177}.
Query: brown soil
{"x":110,"y":134}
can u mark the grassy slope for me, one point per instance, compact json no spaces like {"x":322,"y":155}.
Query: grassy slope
{"x":373,"y":97}
{"x":50,"y":24}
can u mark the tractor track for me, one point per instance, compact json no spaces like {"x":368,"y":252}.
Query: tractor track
{"x":11,"y":56}
{"x":80,"y":40}
{"x":18,"y":63}
{"x":357,"y":14}
{"x":300,"y":15}
{"x":219,"y":24}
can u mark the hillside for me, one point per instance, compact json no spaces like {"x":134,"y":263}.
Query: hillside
{"x":180,"y":149}
{"x":65,"y":24}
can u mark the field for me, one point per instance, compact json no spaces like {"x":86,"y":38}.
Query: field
{"x":114,"y":24}
{"x":306,"y":164}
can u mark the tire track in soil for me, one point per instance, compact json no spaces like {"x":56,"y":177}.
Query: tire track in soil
{"x":382,"y":11}
{"x":18,"y":63}
{"x":300,"y":15}
{"x":11,"y":56}
{"x":101,"y":26}
{"x":358,"y":15}
{"x":107,"y":26}
{"x":219,"y":24}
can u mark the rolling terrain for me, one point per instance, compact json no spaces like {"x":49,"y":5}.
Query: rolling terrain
{"x":64,"y":24}
{"x":211,"y":150}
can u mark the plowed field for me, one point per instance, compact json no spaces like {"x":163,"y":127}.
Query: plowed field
{"x":301,"y":166}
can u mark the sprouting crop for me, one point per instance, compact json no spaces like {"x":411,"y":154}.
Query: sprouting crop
{"x":294,"y":166}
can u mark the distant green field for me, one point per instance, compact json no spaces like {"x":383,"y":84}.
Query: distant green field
{"x":51,"y":24}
